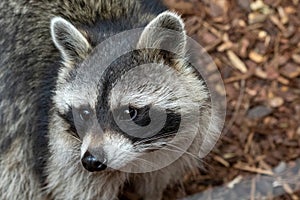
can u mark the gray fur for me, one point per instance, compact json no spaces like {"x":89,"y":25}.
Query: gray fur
{"x":48,"y":59}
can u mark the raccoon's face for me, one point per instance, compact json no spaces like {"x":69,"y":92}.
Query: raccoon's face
{"x":138,"y":103}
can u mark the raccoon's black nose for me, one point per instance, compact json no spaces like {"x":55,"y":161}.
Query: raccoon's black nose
{"x":91,"y":163}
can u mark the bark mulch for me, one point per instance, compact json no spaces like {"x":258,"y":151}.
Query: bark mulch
{"x":256,"y":47}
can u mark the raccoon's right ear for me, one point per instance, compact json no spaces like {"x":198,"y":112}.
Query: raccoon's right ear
{"x":166,"y":31}
{"x":72,"y":45}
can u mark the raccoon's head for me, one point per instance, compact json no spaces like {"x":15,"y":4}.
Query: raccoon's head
{"x":113,"y":112}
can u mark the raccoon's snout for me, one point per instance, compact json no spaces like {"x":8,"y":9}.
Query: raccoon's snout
{"x":91,"y":163}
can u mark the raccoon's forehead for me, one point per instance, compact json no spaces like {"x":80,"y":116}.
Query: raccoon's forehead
{"x":152,"y":83}
{"x":76,"y":94}
{"x":130,"y":79}
{"x":140,"y":85}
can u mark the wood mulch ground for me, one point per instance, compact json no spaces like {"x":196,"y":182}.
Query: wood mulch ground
{"x":256,"y":47}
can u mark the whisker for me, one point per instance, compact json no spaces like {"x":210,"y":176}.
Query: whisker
{"x":176,"y":150}
{"x":151,"y":164}
{"x":154,"y":138}
{"x":183,"y":151}
{"x":74,"y":137}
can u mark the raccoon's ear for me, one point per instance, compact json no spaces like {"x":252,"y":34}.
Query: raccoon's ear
{"x":72,"y":45}
{"x":166,"y":31}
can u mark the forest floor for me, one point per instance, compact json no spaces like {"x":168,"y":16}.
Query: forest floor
{"x":256,"y":47}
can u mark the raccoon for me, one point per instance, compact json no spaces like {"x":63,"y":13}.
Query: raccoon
{"x":61,"y":120}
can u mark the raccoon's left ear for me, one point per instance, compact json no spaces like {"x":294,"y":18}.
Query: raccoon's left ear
{"x":166,"y":32}
{"x":72,"y":45}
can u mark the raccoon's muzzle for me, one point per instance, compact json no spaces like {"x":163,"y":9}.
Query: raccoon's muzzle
{"x":92,"y":164}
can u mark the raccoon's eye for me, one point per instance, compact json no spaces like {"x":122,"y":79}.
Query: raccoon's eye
{"x":133,"y":112}
{"x":85,"y":114}
{"x":140,"y":116}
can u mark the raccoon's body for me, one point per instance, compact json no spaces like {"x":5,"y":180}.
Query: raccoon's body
{"x":48,"y":58}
